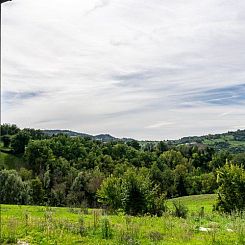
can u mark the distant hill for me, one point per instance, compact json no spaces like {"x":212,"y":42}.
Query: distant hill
{"x":67,"y":132}
{"x":100,"y":137}
{"x":105,"y":137}
{"x":234,"y":141}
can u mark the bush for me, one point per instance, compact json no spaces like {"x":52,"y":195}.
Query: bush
{"x":6,"y":140}
{"x":110,"y":193}
{"x":180,"y":210}
{"x":19,"y":142}
{"x":231,"y":191}
{"x":106,"y":229}
{"x":12,"y":189}
{"x":133,"y":192}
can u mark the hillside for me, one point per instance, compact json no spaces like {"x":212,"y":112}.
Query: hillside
{"x":232,"y":141}
{"x":100,"y":137}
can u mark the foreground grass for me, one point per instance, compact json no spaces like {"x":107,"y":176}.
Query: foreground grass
{"x":45,"y":225}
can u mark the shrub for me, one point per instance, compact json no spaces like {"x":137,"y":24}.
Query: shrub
{"x":110,"y":193}
{"x":180,"y":210}
{"x":231,"y":191}
{"x":134,"y":192}
{"x":82,"y":227}
{"x":13,"y":190}
{"x":106,"y":228}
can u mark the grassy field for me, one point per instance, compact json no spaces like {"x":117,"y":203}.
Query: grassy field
{"x":45,"y":225}
{"x":195,"y":202}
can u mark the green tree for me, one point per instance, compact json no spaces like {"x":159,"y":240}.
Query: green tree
{"x":13,"y":190}
{"x":133,"y":193}
{"x":134,"y":143}
{"x":9,"y":129}
{"x":25,"y":174}
{"x":110,"y":193}
{"x":6,"y":140}
{"x":172,"y":158}
{"x":239,"y":159}
{"x":38,"y":155}
{"x":219,"y":159}
{"x":19,"y":142}
{"x":78,"y":190}
{"x":36,"y":191}
{"x":161,"y":147}
{"x":180,"y":174}
{"x":231,"y":191}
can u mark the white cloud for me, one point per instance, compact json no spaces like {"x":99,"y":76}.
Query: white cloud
{"x":123,"y":67}
{"x":159,"y":125}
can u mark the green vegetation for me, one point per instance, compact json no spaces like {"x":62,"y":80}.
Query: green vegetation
{"x":196,"y":202}
{"x":62,"y":171}
{"x":45,"y":225}
{"x":231,"y":192}
{"x":137,"y":191}
{"x":232,"y":141}
{"x":9,"y":161}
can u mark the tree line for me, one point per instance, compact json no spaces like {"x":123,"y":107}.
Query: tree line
{"x":60,"y":170}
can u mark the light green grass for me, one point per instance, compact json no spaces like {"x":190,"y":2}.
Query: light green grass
{"x":196,"y":202}
{"x":44,"y":225}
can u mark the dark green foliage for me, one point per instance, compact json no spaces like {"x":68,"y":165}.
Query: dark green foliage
{"x":134,"y":192}
{"x":19,"y":142}
{"x":38,"y":154}
{"x":161,"y":147}
{"x":219,"y":159}
{"x":180,"y":174}
{"x":34,"y":134}
{"x":239,"y":159}
{"x":84,"y":188}
{"x":201,"y":184}
{"x":6,"y":139}
{"x":134,"y":143}
{"x":136,"y":177}
{"x":36,"y":191}
{"x":180,"y":210}
{"x":9,"y":129}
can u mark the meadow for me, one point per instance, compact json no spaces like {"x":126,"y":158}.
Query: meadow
{"x":50,"y":225}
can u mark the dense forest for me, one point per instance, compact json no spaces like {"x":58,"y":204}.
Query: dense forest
{"x":40,"y":168}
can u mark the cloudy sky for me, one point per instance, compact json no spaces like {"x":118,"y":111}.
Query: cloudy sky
{"x":147,"y":69}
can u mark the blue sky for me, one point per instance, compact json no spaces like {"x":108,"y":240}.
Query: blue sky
{"x":158,"y":69}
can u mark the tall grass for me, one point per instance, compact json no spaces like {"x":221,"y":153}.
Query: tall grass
{"x":40,"y":225}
